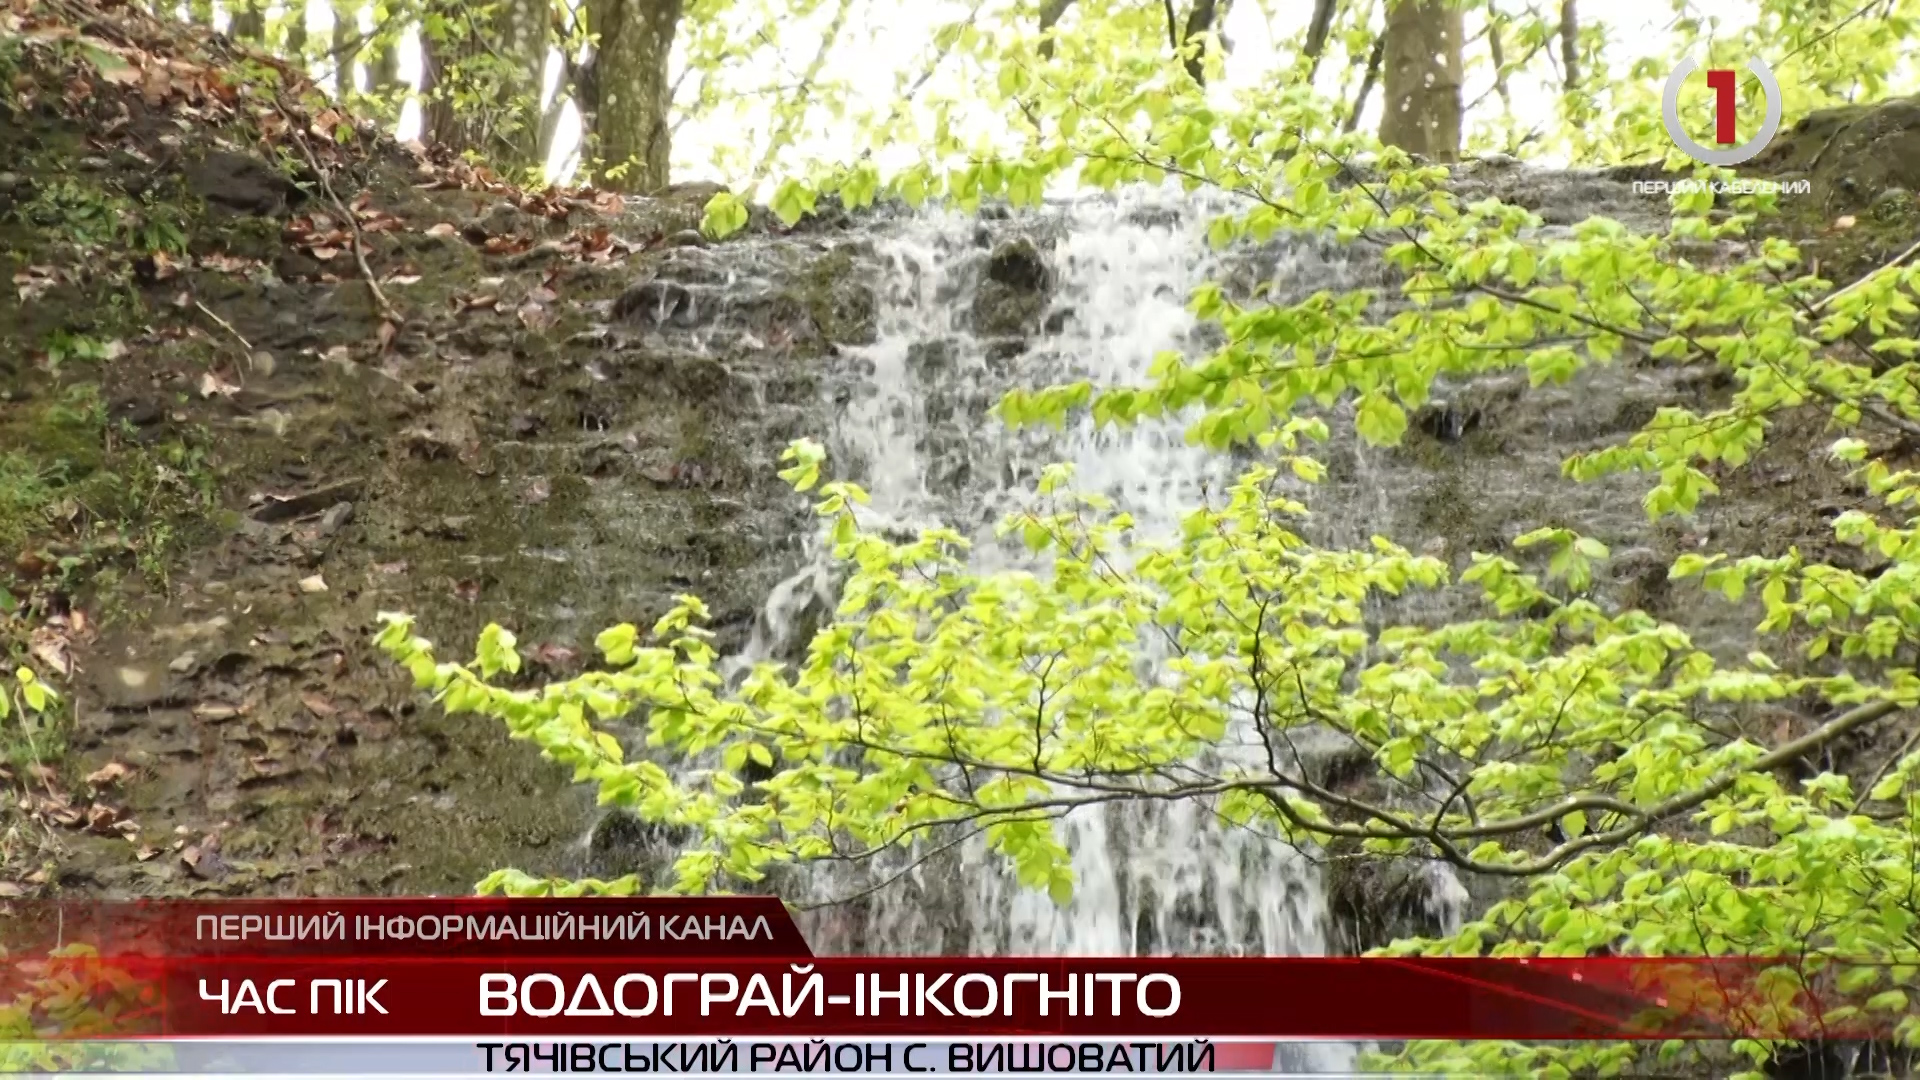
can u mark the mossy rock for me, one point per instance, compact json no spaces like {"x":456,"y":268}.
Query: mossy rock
{"x":1851,"y":154}
{"x":1862,"y":163}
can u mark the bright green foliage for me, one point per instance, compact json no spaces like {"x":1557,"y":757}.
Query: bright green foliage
{"x":942,"y":703}
{"x":61,"y":1020}
{"x":26,"y":710}
{"x":725,"y":215}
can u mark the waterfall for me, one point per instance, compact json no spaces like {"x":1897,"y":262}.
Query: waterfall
{"x":971,"y":306}
{"x":915,"y":429}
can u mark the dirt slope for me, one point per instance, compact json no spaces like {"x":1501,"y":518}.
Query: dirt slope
{"x":225,"y":453}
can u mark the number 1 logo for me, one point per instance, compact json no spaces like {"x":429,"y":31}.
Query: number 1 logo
{"x":1725,"y":113}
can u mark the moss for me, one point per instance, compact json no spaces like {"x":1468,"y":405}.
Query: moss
{"x":1861,"y":162}
{"x":842,"y":308}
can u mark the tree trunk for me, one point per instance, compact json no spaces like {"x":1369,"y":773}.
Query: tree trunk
{"x":625,"y":94}
{"x":486,"y":81}
{"x":249,"y":22}
{"x":1318,"y":29}
{"x":1570,"y":44}
{"x":383,"y":76}
{"x":294,"y":43}
{"x":1051,"y":11}
{"x":1205,"y":15}
{"x":1421,"y":77}
{"x":345,"y":50}
{"x":1367,"y":78}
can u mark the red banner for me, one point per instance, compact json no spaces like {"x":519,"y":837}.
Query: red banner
{"x":737,"y":968}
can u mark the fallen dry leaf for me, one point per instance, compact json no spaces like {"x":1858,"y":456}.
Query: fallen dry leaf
{"x":1844,"y":221}
{"x":211,"y":384}
{"x":553,"y":655}
{"x":533,"y":316}
{"x":214,"y":712}
{"x":10,"y":891}
{"x":111,"y":773}
{"x":100,"y":817}
{"x":226,"y":264}
{"x":314,"y":584}
{"x":34,"y":281}
{"x":443,"y":229}
{"x":49,"y":647}
{"x":318,"y":705}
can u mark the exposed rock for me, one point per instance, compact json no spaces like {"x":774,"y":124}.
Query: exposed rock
{"x":335,"y":518}
{"x":622,"y":843}
{"x":1372,"y":901}
{"x":1852,"y":154}
{"x":241,"y":183}
{"x":930,"y":360}
{"x":658,"y":303}
{"x":1894,"y":204}
{"x":1013,"y":293}
{"x":501,"y":219}
{"x":1017,"y":264}
{"x":277,"y":508}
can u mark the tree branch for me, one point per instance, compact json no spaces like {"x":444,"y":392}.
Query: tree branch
{"x":1050,"y":14}
{"x":1366,"y":84}
{"x":1317,"y":31}
{"x":1570,"y":44}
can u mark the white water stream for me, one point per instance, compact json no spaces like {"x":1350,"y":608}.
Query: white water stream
{"x":1160,"y":879}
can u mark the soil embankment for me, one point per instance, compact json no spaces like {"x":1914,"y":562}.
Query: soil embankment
{"x":225,"y":453}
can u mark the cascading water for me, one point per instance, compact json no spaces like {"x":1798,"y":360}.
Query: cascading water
{"x":916,"y":431}
{"x":969,"y":307}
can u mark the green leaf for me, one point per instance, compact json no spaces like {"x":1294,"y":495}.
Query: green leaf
{"x":1891,"y":1001}
{"x":725,"y":215}
{"x":1380,"y":421}
{"x":616,"y":643}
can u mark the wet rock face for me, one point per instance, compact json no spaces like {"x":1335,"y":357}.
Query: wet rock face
{"x":556,"y":478}
{"x":241,"y":183}
{"x":657,"y":303}
{"x":1372,"y":902}
{"x":1852,"y":154}
{"x":1014,"y":291}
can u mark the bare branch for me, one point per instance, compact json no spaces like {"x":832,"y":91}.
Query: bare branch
{"x":1050,"y":15}
{"x":1317,"y":31}
{"x":1366,"y":84}
{"x":1569,"y":44}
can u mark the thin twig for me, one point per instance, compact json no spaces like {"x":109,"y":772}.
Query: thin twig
{"x":1366,"y":83}
{"x":228,"y":327}
{"x":1898,"y":260}
{"x":1866,"y":789}
{"x":380,"y":300}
